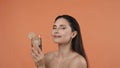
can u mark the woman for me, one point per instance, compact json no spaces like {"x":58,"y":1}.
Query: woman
{"x":70,"y":54}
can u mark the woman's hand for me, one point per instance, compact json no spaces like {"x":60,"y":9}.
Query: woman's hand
{"x":38,"y":56}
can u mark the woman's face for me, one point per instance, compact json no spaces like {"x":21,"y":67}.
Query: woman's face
{"x":62,"y":32}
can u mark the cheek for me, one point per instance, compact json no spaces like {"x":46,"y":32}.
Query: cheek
{"x":65,"y":39}
{"x":67,"y":35}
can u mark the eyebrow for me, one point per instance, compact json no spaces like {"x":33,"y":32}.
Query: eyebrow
{"x":60,"y":25}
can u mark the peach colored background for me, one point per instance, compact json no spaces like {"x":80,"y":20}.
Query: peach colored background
{"x":99,"y":21}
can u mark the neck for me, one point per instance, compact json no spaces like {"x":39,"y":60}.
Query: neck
{"x":64,"y":49}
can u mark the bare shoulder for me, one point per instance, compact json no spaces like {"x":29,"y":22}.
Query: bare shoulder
{"x":49,"y":56}
{"x":78,"y":62}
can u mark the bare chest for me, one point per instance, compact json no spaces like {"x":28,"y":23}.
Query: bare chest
{"x":59,"y":63}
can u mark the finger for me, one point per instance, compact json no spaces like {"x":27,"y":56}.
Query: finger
{"x":37,"y":54}
{"x":39,"y":50}
{"x":36,"y":58}
{"x":34,"y":51}
{"x":33,"y":55}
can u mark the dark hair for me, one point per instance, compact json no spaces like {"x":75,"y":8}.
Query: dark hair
{"x":77,"y":44}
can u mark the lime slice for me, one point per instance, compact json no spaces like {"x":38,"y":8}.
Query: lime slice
{"x":31,"y":35}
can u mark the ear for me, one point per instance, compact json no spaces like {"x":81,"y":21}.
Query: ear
{"x":74,"y":33}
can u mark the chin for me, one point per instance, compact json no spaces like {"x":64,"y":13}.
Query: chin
{"x":60,"y":42}
{"x":57,"y":41}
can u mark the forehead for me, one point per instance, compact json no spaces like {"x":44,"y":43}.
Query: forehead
{"x":61,"y":21}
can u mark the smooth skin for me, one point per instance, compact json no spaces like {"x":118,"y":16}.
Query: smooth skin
{"x":65,"y":57}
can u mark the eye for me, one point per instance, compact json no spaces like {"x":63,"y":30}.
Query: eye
{"x":54,"y":28}
{"x":63,"y":27}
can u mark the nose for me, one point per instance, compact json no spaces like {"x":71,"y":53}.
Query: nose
{"x":56,"y":31}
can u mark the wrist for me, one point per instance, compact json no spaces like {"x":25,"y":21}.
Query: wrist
{"x":40,"y":66}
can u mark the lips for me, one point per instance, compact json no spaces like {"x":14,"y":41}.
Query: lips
{"x":57,"y":36}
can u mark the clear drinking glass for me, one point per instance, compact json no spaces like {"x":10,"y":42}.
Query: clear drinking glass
{"x":36,"y":41}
